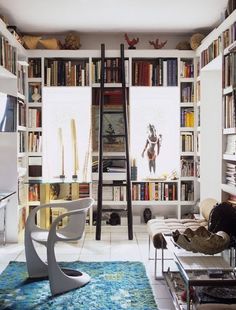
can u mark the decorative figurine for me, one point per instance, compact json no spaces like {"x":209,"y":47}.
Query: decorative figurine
{"x":36,"y":96}
{"x":158,"y":45}
{"x":132,"y":42}
{"x":153,"y":141}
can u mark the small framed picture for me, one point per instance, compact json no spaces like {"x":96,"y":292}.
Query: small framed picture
{"x":113,"y":125}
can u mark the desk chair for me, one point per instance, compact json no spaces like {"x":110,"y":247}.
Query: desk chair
{"x":61,"y":279}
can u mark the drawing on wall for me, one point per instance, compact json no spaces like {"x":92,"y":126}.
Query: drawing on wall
{"x":152,"y":148}
{"x":154,"y":131}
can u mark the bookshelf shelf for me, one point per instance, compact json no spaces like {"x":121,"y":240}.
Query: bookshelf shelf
{"x":4,"y":73}
{"x":230,"y":189}
{"x":229,"y":157}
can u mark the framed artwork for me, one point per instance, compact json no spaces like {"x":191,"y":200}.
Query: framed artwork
{"x":113,"y":125}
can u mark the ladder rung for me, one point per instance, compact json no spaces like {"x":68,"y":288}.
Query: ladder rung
{"x":112,"y":184}
{"x":113,"y":112}
{"x":114,"y":136}
{"x":113,"y":158}
{"x":114,"y":210}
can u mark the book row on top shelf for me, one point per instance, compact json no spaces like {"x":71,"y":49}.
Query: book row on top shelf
{"x":8,"y":56}
{"x":145,"y":71}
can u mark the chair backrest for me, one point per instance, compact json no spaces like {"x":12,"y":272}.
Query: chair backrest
{"x":76,"y":222}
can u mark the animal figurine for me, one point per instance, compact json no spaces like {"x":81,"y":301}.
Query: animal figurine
{"x":158,"y":45}
{"x":132,"y":42}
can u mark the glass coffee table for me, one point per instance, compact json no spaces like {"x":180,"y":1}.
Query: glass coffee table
{"x":195,"y":270}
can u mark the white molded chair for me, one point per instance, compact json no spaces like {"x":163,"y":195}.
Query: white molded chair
{"x":61,"y":279}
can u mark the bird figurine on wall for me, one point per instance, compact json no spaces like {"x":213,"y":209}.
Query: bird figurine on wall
{"x":158,"y":45}
{"x":132,"y":42}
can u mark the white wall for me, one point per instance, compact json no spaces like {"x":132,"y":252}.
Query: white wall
{"x":211,"y":128}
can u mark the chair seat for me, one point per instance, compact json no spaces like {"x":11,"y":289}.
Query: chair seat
{"x":42,"y":236}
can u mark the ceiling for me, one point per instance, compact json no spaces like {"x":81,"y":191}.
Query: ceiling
{"x":162,"y":16}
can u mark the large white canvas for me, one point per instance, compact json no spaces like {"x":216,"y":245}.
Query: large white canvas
{"x":158,"y":106}
{"x":60,"y":105}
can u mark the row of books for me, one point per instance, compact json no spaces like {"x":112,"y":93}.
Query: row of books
{"x":7,"y":55}
{"x":66,"y":73}
{"x":187,"y":141}
{"x":187,"y":92}
{"x":187,"y":117}
{"x":22,"y":218}
{"x":211,"y":52}
{"x":84,"y":190}
{"x":230,"y":145}
{"x":159,"y":72}
{"x":161,"y":191}
{"x":114,"y":193}
{"x":230,"y":174}
{"x":198,"y":91}
{"x":34,"y":68}
{"x":21,"y":142}
{"x":34,"y":192}
{"x":229,"y":111}
{"x":229,"y":72}
{"x":34,"y":117}
{"x":229,"y":35}
{"x":198,"y":167}
{"x":186,"y":68}
{"x":187,"y":191}
{"x":198,"y":116}
{"x":34,"y":141}
{"x":187,"y":167}
{"x":112,"y":72}
{"x":144,"y":191}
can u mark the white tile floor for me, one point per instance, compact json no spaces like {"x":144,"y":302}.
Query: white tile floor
{"x":114,"y":245}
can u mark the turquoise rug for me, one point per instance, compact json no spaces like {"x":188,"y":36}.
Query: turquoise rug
{"x":114,"y":286}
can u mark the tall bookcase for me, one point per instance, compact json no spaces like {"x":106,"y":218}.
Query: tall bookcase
{"x":13,"y":127}
{"x":217,"y":111}
{"x":145,"y":69}
{"x":228,"y":112}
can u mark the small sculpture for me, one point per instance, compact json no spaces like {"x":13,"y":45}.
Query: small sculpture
{"x":158,"y":45}
{"x":196,"y":40}
{"x":202,"y":241}
{"x":132,"y":42}
{"x":36,"y":96}
{"x":72,"y":41}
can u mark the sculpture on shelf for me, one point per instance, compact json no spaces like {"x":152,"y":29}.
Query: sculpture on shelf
{"x":202,"y":240}
{"x":72,"y":42}
{"x":36,"y":96}
{"x":152,"y":141}
{"x":196,"y":40}
{"x":132,"y":42}
{"x":157,"y":45}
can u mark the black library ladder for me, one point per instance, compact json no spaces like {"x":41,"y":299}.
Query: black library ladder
{"x":102,"y":158}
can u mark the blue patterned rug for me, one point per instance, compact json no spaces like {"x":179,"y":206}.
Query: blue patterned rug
{"x":114,"y":286}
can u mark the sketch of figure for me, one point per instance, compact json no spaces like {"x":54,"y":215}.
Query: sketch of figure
{"x":152,"y":146}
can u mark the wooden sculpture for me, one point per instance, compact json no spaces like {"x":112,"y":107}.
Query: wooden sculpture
{"x":61,"y":146}
{"x":132,"y":42}
{"x":74,"y":149}
{"x":157,"y":45}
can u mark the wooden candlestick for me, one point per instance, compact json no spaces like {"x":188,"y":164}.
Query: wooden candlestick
{"x":61,"y":143}
{"x":74,"y":149}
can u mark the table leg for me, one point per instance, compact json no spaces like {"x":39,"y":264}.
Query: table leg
{"x":4,"y":225}
{"x":188,"y":297}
